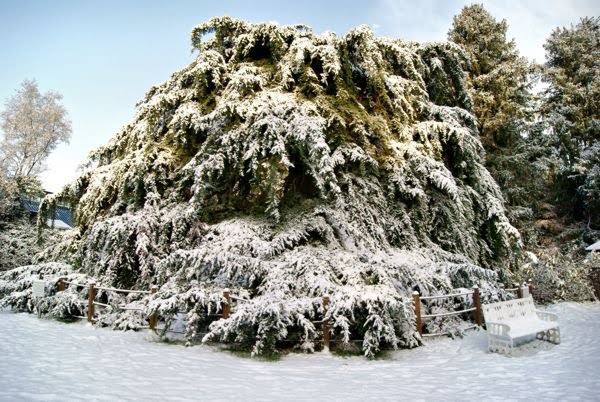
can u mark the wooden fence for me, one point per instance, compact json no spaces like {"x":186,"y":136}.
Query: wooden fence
{"x":226,"y":305}
{"x":476,"y":309}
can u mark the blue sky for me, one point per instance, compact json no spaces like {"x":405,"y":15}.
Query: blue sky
{"x":104,"y":55}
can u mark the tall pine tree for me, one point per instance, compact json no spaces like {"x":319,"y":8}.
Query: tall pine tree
{"x":498,"y":80}
{"x":572,"y":110}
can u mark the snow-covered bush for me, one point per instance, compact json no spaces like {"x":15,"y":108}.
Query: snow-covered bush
{"x":558,"y":274}
{"x":16,"y":290}
{"x":287,"y":166}
{"x":20,"y":243}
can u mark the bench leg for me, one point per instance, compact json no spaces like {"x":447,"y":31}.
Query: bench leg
{"x":551,"y":335}
{"x":503,"y":346}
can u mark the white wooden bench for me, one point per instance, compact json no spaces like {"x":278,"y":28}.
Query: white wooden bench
{"x":510,"y":321}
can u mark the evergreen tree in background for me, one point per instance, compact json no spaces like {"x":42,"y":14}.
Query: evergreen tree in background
{"x":572,"y":110}
{"x":498,"y":80}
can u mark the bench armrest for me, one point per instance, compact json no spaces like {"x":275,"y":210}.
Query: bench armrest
{"x":497,"y":328}
{"x":546,"y":316}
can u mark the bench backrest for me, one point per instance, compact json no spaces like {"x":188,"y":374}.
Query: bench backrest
{"x":509,"y":310}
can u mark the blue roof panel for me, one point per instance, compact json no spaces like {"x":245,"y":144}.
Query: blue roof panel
{"x":62,"y":213}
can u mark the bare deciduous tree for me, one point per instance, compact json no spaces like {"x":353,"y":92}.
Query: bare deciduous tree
{"x":33,"y":126}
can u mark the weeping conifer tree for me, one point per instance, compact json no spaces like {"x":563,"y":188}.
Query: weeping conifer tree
{"x":287,"y":165}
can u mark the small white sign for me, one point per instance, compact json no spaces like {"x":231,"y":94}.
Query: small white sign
{"x":39,"y":288}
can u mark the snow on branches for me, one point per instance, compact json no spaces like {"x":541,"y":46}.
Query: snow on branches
{"x":287,"y":165}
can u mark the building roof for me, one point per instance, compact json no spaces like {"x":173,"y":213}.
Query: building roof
{"x":57,"y":224}
{"x":594,"y":247}
{"x":63,"y":214}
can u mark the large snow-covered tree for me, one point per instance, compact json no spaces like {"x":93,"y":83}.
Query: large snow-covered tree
{"x":572,"y":109}
{"x":287,"y":165}
{"x":33,"y":125}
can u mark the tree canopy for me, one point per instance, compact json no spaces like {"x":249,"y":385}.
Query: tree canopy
{"x":497,"y":75}
{"x":572,"y":110}
{"x":499,"y":81}
{"x":33,"y":124}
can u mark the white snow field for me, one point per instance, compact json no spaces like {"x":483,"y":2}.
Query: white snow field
{"x":47,"y":360}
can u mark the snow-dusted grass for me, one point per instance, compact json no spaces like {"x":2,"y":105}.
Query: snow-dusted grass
{"x":48,"y":360}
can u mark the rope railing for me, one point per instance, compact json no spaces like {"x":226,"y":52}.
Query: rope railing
{"x":92,"y":303}
{"x":145,"y":292}
{"x":226,"y":305}
{"x":125,"y":308}
{"x":467,"y":310}
{"x":446,"y":296}
{"x":476,"y":309}
{"x":239,"y":298}
{"x":521,"y":291}
{"x":449,"y":332}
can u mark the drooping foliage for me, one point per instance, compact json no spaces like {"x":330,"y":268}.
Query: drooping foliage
{"x":287,"y":165}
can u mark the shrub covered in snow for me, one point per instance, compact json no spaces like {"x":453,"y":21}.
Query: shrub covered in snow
{"x":558,"y":273}
{"x":287,"y":165}
{"x":20,"y":242}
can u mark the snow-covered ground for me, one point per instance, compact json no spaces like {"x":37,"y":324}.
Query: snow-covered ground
{"x":47,"y":360}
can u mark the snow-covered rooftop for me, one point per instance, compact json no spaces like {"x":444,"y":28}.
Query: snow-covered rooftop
{"x":594,"y":247}
{"x":57,"y":224}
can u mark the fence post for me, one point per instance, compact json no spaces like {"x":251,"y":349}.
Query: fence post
{"x":226,"y":304}
{"x":91,"y":298}
{"x":477,"y":304}
{"x":417,"y":301}
{"x":519,"y":291}
{"x":154,"y":316}
{"x":61,"y":284}
{"x":325,"y":324}
{"x":530,"y":285}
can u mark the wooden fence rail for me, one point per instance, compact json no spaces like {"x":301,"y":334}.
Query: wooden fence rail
{"x":93,"y":292}
{"x":226,"y":304}
{"x":476,"y":307}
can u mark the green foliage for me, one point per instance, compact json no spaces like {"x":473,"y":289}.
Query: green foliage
{"x":497,"y":75}
{"x":572,"y":110}
{"x":287,"y":165}
{"x":499,"y":81}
